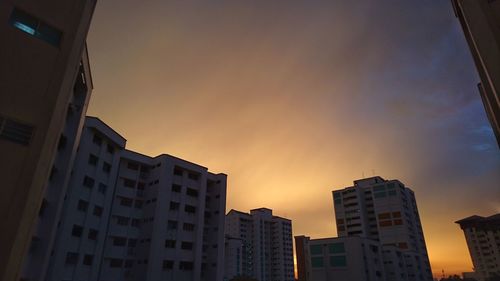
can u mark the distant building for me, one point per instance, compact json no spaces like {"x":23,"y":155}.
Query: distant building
{"x":127,"y":216}
{"x":42,"y":49}
{"x":470,"y":276}
{"x":380,"y":230}
{"x":386,"y":211}
{"x":483,"y":240}
{"x":340,"y":258}
{"x":480,"y":20}
{"x":258,"y":245}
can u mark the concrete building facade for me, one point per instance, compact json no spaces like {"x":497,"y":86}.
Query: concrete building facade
{"x":127,"y":216}
{"x":482,"y":235}
{"x":41,"y":52}
{"x":480,"y":21}
{"x":385,"y":211}
{"x":258,"y":245}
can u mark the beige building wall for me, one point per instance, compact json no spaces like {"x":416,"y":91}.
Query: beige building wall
{"x":42,"y":44}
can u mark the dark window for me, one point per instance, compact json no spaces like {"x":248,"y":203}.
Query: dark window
{"x":92,"y":234}
{"x":132,"y":242}
{"x":83,"y":205}
{"x":93,"y":159}
{"x":167,"y":264}
{"x":177,"y":171}
{"x":192,"y":192}
{"x":169,"y":243}
{"x":138,"y":204}
{"x":174,"y":206}
{"x":115,"y":263}
{"x":63,"y":140}
{"x":133,"y":166}
{"x":122,"y":220}
{"x":129,"y":263}
{"x":77,"y":231}
{"x":188,"y":227}
{"x":190,"y":209}
{"x":88,"y":182}
{"x":129,"y":183}
{"x":193,"y":176}
{"x":110,"y":149}
{"x":102,"y":188}
{"x":15,"y":131}
{"x":87,"y":259}
{"x":106,"y":167}
{"x":126,"y":202}
{"x":97,"y":211}
{"x":185,"y":265}
{"x":97,"y":139}
{"x":35,"y":27}
{"x":176,"y":188}
{"x":42,"y":207}
{"x":187,"y":246}
{"x":71,"y":258}
{"x":172,"y":225}
{"x":136,"y":223}
{"x":119,"y":241}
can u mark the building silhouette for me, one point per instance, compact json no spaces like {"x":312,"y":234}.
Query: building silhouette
{"x":128,"y":216}
{"x":480,"y":21}
{"x":258,"y":245}
{"x":482,"y":235}
{"x":43,"y":56}
{"x":381,"y":220}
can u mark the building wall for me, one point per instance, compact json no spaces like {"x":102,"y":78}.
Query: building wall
{"x":37,"y":75}
{"x":266,"y":246}
{"x":480,"y":22}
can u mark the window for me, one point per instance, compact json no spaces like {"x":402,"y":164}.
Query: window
{"x":88,"y":182}
{"x":87,"y":259}
{"x":119,"y":241}
{"x":129,"y":263}
{"x":168,"y":264}
{"x":128,"y":183}
{"x":316,"y":249}
{"x":97,"y":140}
{"x":384,"y":216}
{"x":169,"y":243}
{"x":338,"y":261}
{"x":187,"y":245}
{"x":115,"y":263}
{"x":132,"y":166}
{"x":176,"y":188}
{"x":177,"y":171}
{"x":171,"y":225}
{"x":122,"y":220}
{"x":71,"y":258}
{"x":93,"y":160}
{"x":190,"y":209}
{"x":185,"y":265}
{"x":102,"y":188}
{"x":77,"y":231}
{"x":106,"y":167}
{"x":35,"y":27}
{"x":92,"y":234}
{"x":188,"y":227}
{"x":193,"y":176}
{"x":136,"y":223}
{"x":42,"y":207}
{"x":336,"y":248}
{"x":138,"y":204}
{"x":127,"y":202}
{"x":83,"y":205}
{"x":385,"y":223}
{"x":396,"y":214}
{"x":63,"y":140}
{"x":97,"y":211}
{"x":192,"y":192}
{"x":132,"y":242}
{"x":110,"y":149}
{"x":174,"y":206}
{"x":398,"y":222}
{"x":317,"y":262}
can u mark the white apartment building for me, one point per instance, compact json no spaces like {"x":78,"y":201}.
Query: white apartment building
{"x":258,"y":245}
{"x":385,"y":211}
{"x":127,"y":216}
{"x":482,"y":235}
{"x":339,"y":258}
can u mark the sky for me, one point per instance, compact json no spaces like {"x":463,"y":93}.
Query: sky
{"x":293,"y":99}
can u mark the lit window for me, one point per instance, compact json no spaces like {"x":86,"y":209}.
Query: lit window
{"x":35,"y":27}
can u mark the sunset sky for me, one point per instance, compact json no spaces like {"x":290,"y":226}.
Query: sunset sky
{"x":293,"y":99}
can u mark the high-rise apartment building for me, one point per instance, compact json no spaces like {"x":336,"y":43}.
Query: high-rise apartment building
{"x":379,"y":237}
{"x":127,"y":216}
{"x":40,"y":54}
{"x":258,"y":245}
{"x":480,"y":20}
{"x":482,"y":235}
{"x":385,"y":211}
